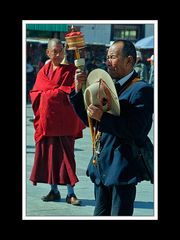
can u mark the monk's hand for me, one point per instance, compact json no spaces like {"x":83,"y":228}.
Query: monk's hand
{"x":80,"y":79}
{"x":95,"y":112}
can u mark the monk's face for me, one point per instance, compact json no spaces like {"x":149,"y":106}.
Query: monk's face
{"x":56,"y":53}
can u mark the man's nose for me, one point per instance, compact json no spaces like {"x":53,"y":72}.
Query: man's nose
{"x":108,"y":62}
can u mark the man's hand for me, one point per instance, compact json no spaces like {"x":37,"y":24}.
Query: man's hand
{"x":80,"y":79}
{"x":95,"y":112}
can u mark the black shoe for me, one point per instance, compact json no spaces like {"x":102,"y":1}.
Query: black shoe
{"x":72,"y":199}
{"x":52,"y":196}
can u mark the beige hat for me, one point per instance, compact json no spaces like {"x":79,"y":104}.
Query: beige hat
{"x":100,"y":91}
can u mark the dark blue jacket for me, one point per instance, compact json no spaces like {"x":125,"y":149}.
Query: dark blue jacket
{"x":115,"y":164}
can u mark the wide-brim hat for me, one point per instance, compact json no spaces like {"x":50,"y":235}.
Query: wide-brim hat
{"x":100,"y":89}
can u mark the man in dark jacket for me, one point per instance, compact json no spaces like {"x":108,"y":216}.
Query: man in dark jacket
{"x":115,"y":174}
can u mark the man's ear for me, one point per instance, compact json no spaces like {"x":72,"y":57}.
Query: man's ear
{"x":129,"y":61}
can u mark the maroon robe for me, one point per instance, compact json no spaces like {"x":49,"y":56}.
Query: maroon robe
{"x":56,"y":126}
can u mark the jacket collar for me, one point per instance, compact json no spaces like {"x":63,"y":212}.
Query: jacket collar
{"x":120,"y":88}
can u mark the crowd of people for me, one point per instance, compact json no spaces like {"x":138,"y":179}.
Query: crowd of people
{"x":57,"y":99}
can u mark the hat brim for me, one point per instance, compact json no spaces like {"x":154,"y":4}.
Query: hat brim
{"x":94,"y":77}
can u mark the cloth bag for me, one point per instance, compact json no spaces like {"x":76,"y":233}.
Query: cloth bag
{"x":144,"y":160}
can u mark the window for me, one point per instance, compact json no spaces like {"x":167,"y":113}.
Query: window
{"x":129,"y":32}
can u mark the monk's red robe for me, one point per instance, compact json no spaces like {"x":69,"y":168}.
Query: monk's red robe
{"x":54,"y":115}
{"x":56,"y":126}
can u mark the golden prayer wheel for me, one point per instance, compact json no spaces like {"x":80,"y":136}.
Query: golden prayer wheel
{"x":75,"y":40}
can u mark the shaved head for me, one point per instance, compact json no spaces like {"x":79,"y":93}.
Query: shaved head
{"x":53,"y":41}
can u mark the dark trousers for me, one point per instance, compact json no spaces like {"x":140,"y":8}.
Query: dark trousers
{"x":114,"y":200}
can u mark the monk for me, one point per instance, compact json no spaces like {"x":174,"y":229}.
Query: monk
{"x":56,"y":126}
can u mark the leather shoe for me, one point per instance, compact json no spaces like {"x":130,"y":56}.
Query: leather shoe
{"x":52,"y":196}
{"x":72,"y":199}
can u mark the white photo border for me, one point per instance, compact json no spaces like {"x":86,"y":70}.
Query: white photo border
{"x":24,"y":189}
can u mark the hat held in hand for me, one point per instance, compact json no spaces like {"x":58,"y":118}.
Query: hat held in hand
{"x":100,"y":91}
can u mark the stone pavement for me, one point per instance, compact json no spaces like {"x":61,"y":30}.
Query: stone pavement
{"x":34,"y":208}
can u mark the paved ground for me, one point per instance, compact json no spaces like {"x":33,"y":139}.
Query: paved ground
{"x":35,"y":208}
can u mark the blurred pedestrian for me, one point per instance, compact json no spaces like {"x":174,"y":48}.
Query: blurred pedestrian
{"x":140,"y":67}
{"x":56,"y":126}
{"x":113,"y":168}
{"x":151,"y":71}
{"x":30,"y":77}
{"x":40,"y":63}
{"x":93,"y":64}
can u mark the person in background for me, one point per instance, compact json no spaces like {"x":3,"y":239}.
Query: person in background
{"x":30,"y":77}
{"x":115,"y":174}
{"x":140,"y":67}
{"x":40,"y":63}
{"x":93,"y":64}
{"x":102,"y":64}
{"x":151,"y":71}
{"x":56,"y":126}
